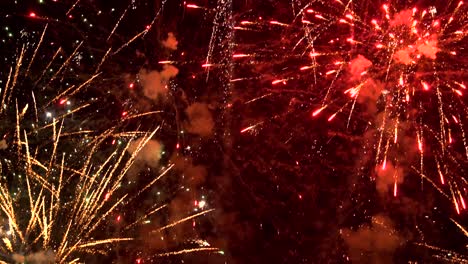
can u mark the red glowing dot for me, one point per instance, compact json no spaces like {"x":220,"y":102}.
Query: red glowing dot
{"x":118,"y":218}
{"x":32,"y":14}
{"x":300,"y":196}
{"x":425,"y":86}
{"x":131,"y":85}
{"x":124,"y":114}
{"x":62,"y":101}
{"x":138,"y":261}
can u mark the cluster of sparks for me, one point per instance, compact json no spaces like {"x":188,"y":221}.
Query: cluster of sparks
{"x":410,"y":52}
{"x":407,"y":59}
{"x":405,"y":64}
{"x":56,"y":206}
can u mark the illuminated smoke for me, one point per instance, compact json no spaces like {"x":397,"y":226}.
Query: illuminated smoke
{"x":386,"y":178}
{"x":369,"y":95}
{"x":403,"y":18}
{"x":200,"y":120}
{"x":3,"y":144}
{"x":43,"y":257}
{"x":149,"y":155}
{"x":404,"y":56}
{"x":427,"y":48}
{"x":357,"y":66}
{"x":374,"y":243}
{"x":194,"y":175}
{"x":155,"y":83}
{"x":171,"y":41}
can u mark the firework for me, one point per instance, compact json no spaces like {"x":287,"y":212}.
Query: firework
{"x":400,"y":69}
{"x":390,"y":74}
{"x":65,"y":166}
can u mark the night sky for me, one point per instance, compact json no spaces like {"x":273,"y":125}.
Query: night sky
{"x":233,"y":131}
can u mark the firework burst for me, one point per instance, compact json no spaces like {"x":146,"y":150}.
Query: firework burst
{"x":397,"y":73}
{"x":389,"y":74}
{"x":64,"y":165}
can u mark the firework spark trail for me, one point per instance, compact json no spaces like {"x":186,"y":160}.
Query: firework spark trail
{"x":186,"y":251}
{"x":59,"y":50}
{"x":156,"y":17}
{"x":183,"y":220}
{"x":35,"y":51}
{"x":221,"y":32}
{"x":118,"y":22}
{"x":66,"y":62}
{"x":141,"y":115}
{"x":5,"y":90}
{"x":454,"y":256}
{"x":131,"y":41}
{"x":72,"y":90}
{"x":146,"y":216}
{"x":137,"y":36}
{"x":72,"y":7}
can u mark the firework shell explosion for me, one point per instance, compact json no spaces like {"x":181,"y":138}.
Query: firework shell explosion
{"x":90,"y":107}
{"x":388,"y":74}
{"x":65,"y":194}
{"x":399,"y":72}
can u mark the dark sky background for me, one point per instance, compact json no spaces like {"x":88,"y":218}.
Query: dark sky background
{"x":293,"y":189}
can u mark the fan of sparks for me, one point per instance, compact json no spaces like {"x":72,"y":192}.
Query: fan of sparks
{"x":400,"y":68}
{"x":56,"y":202}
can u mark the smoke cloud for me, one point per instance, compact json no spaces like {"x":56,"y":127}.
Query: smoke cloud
{"x":429,"y":48}
{"x":3,"y":144}
{"x":369,"y":95}
{"x":374,"y":243}
{"x":194,"y":175}
{"x":149,"y":155}
{"x":404,"y":56}
{"x":43,"y":257}
{"x":200,"y":120}
{"x":155,"y":83}
{"x":405,"y":18}
{"x":171,"y":42}
{"x":357,"y":66}
{"x":426,"y":48}
{"x":386,"y":177}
